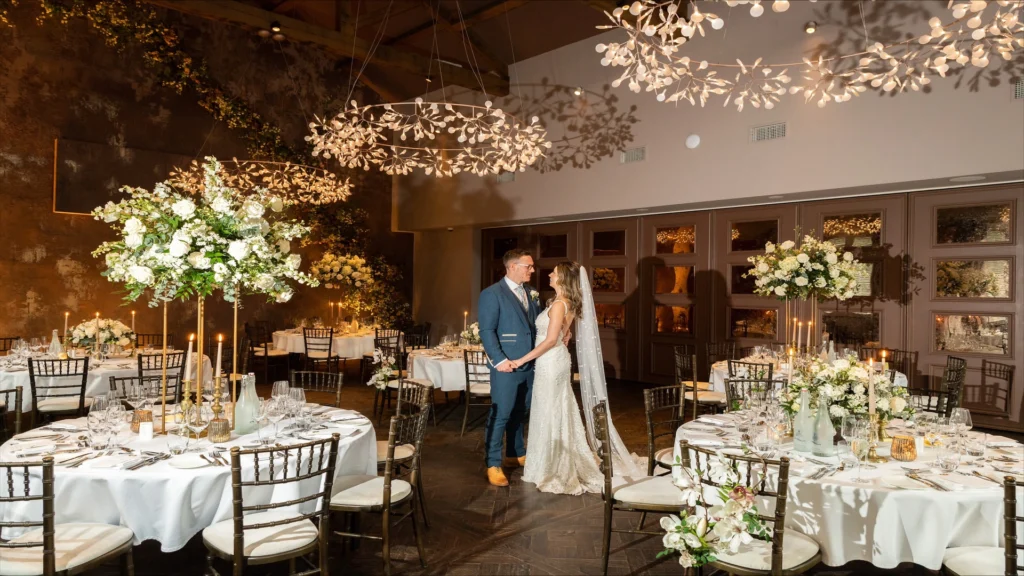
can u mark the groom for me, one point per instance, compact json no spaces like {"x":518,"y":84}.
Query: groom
{"x":507,"y":313}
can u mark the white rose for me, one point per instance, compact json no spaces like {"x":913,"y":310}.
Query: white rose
{"x":276,"y":204}
{"x":293,"y":261}
{"x":802,"y":258}
{"x":124,"y":342}
{"x":800,"y":281}
{"x":252,"y":208}
{"x":819,"y":282}
{"x":220,"y":268}
{"x":831,"y":258}
{"x":178,"y":248}
{"x":285,"y":296}
{"x":769,"y":248}
{"x":762,"y":267}
{"x":133,"y":240}
{"x":141,"y":274}
{"x":134,"y":226}
{"x":787,"y":245}
{"x":199,"y":260}
{"x":184,"y":208}
{"x":346,"y":270}
{"x":780,"y":290}
{"x":238,"y":249}
{"x":898,"y":404}
{"x":284,"y":246}
{"x":221,"y":204}
{"x":882,"y":404}
{"x":848,"y":256}
{"x":265,"y":282}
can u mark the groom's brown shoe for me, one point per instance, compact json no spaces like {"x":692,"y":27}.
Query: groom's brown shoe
{"x":512,"y":462}
{"x":496,"y":477}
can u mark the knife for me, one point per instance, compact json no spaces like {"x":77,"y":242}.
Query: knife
{"x":980,"y":475}
{"x":927,"y":482}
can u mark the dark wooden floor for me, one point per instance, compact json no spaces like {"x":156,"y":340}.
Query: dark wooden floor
{"x":478,"y":529}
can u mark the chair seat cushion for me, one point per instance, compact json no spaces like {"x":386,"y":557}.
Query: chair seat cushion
{"x":700,"y":385}
{"x":657,"y":490}
{"x":393,"y":384}
{"x":320,"y":354}
{"x":975,"y":560}
{"x":363,"y":491}
{"x":268,"y":541}
{"x":272,"y":352}
{"x":796,"y":549}
{"x":480,"y":389}
{"x":665,"y":457}
{"x":76,"y":544}
{"x":708,"y":397}
{"x":61,"y":404}
{"x":402,"y":451}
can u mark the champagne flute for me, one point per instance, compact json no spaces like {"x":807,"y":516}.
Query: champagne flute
{"x":859,"y":447}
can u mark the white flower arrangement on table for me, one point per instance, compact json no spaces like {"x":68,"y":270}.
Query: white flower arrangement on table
{"x":183,"y":242}
{"x":712,"y":529}
{"x":384,"y":371}
{"x":813,"y":270}
{"x":472,"y":333}
{"x":845,"y":384}
{"x":339,"y":271}
{"x":111,"y":332}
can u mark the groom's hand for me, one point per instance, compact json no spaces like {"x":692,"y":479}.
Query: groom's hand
{"x":506,"y":366}
{"x":568,"y":336}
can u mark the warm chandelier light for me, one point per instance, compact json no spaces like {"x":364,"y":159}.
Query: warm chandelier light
{"x":443,"y":139}
{"x":652,"y":61}
{"x":294,"y":183}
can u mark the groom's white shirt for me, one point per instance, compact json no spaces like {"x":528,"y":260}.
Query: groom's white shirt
{"x":512,"y":286}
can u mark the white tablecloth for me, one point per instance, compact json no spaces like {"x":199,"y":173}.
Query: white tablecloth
{"x":98,"y":380}
{"x":345,"y":345}
{"x":447,"y":374}
{"x":167,"y":504}
{"x":882,"y":525}
{"x":720,"y":371}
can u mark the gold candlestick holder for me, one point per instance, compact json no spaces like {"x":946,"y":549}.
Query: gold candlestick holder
{"x":220,"y":428}
{"x":186,"y":398}
{"x":873,"y":428}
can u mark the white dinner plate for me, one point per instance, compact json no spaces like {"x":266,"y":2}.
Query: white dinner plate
{"x":187,"y":461}
{"x":900,"y":482}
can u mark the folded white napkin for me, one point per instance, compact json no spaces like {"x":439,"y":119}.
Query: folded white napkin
{"x":1003,"y":444}
{"x":36,"y":448}
{"x":707,"y":442}
{"x":60,"y":426}
{"x":716,"y":420}
{"x":944,"y":481}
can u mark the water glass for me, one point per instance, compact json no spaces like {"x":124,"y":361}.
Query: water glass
{"x":297,"y":397}
{"x":177,"y":443}
{"x":280,"y":389}
{"x":948,"y":460}
{"x":975,"y":448}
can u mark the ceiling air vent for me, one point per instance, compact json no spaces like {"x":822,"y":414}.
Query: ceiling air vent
{"x":506,"y":177}
{"x":1018,"y":90}
{"x":633,"y":155}
{"x":768,"y":132}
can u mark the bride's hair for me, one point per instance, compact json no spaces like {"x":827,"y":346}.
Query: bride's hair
{"x":569,"y":282}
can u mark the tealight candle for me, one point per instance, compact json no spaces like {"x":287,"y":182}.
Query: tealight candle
{"x":146,"y":430}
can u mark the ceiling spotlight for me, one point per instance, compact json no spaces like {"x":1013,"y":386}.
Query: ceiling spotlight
{"x":429,"y":80}
{"x":264,"y":33}
{"x":692,"y":141}
{"x":577,"y":91}
{"x":811,"y":27}
{"x":275,"y":26}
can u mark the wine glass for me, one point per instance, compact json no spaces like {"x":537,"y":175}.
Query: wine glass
{"x":859,"y":446}
{"x":961,"y":419}
{"x":280,"y":389}
{"x":297,"y":396}
{"x":276,"y":412}
{"x":116,"y":415}
{"x":849,"y":426}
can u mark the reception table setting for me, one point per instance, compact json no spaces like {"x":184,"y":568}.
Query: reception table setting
{"x":444,"y":366}
{"x":346,"y":344}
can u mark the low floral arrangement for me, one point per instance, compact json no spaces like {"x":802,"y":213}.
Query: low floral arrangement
{"x":472,"y":334}
{"x":709,"y":529}
{"x":844,"y":383}
{"x":815,"y":269}
{"x":339,"y":271}
{"x":111,"y":332}
{"x":183,"y":241}
{"x":384,"y":371}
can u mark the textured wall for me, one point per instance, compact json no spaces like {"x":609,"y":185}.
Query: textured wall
{"x":62,"y":81}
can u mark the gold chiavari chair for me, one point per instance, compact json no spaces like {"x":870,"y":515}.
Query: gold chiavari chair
{"x":664,"y":407}
{"x":990,"y":560}
{"x":10,"y":403}
{"x":413,"y":399}
{"x":319,"y":347}
{"x":751,"y":370}
{"x":268,"y":533}
{"x":699,"y":393}
{"x":720,"y":351}
{"x":58,"y":388}
{"x":318,"y":382}
{"x":478,"y":383}
{"x":789,"y":551}
{"x":384,"y":495}
{"x":45,"y":547}
{"x":654,"y":494}
{"x":947,"y":396}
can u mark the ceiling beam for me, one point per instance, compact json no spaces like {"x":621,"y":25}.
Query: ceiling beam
{"x":475,"y":43}
{"x":340,"y":43}
{"x":487,"y":12}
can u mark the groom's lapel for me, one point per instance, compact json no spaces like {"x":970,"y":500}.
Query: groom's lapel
{"x":515,"y":303}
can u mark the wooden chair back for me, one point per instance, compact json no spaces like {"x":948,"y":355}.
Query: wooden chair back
{"x":7,"y":342}
{"x":311,"y":463}
{"x":604,"y":449}
{"x":478,"y":368}
{"x":58,"y":379}
{"x":752,"y":472}
{"x":403,"y":430}
{"x":686,"y":374}
{"x":156,"y":340}
{"x":664,"y":409}
{"x":413,"y":398}
{"x":750,"y":370}
{"x":318,"y":382}
{"x":394,"y":335}
{"x":10,"y":400}
{"x":318,"y":340}
{"x":151,"y":365}
{"x":19,"y":492}
{"x":718,"y":351}
{"x":736,"y":389}
{"x":1014,"y":550}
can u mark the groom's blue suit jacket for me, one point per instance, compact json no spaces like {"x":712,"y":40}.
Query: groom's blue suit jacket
{"x":507,"y":330}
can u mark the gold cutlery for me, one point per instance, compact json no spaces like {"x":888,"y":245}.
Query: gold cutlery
{"x":927,"y":482}
{"x":982,"y":476}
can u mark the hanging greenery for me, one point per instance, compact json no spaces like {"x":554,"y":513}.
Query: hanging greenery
{"x":129,"y":24}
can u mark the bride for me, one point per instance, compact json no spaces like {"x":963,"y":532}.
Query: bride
{"x":560,"y":459}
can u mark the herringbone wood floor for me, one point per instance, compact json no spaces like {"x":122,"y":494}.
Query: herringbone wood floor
{"x":478,"y":529}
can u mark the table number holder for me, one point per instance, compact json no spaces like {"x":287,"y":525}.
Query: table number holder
{"x":220,"y":428}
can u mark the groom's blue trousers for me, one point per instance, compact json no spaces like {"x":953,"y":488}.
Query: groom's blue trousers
{"x":510,"y":403}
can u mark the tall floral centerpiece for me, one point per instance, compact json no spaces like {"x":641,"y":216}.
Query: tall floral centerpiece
{"x":845,"y":384}
{"x":813,"y":271}
{"x":188,"y":238}
{"x":348,"y":273}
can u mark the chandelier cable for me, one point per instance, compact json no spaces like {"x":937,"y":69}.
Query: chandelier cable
{"x":295,"y":85}
{"x":467,"y":47}
{"x":378,"y":37}
{"x":355,"y":34}
{"x":512,"y":47}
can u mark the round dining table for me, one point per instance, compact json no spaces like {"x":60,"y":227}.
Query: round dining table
{"x":170,"y":501}
{"x":720,"y":372}
{"x":892,"y":518}
{"x":446,"y":371}
{"x":98,"y":380}
{"x":344,"y":345}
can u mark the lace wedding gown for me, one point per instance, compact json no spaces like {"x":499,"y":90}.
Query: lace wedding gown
{"x":559,"y":460}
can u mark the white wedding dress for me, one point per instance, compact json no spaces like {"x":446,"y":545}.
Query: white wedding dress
{"x":559,"y":459}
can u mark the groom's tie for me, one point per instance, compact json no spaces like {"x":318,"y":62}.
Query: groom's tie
{"x":521,"y":294}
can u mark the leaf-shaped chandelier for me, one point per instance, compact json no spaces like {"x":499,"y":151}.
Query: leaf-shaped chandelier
{"x":293,"y":183}
{"x":657,"y":31}
{"x":442,"y":138}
